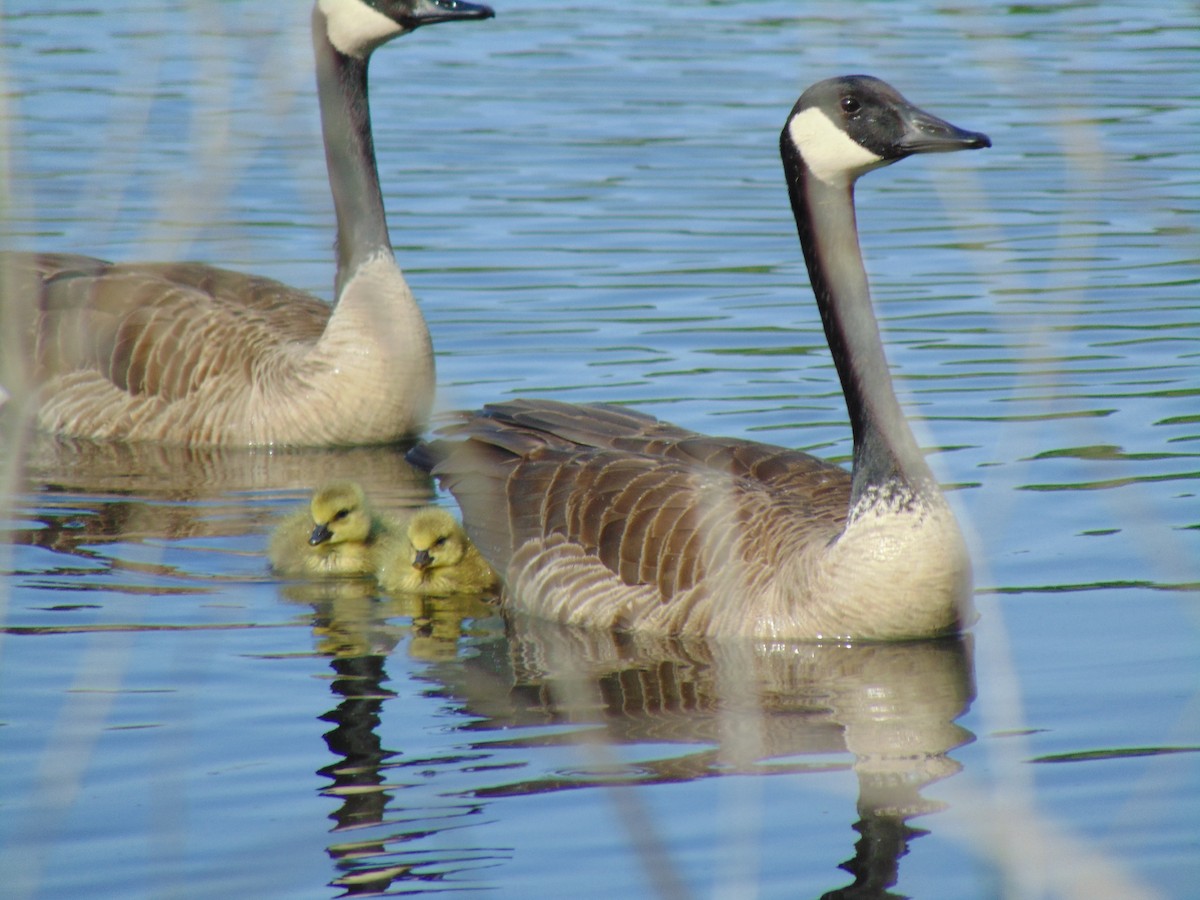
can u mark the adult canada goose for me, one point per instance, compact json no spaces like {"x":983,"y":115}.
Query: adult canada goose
{"x":190,"y":354}
{"x":433,"y":555}
{"x":602,"y":517}
{"x":337,"y":534}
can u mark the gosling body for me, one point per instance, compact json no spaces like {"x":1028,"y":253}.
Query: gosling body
{"x":432,"y":555}
{"x":336,"y":535}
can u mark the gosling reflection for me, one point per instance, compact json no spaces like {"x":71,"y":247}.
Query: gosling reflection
{"x":358,"y":629}
{"x":351,"y":618}
{"x":350,"y":628}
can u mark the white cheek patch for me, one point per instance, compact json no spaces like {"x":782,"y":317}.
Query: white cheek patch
{"x":354,"y":28}
{"x":830,"y":154}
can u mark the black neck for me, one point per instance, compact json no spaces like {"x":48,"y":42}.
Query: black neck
{"x":885,"y":453}
{"x":349,"y":154}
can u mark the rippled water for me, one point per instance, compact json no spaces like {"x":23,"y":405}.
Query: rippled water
{"x":587,"y":199}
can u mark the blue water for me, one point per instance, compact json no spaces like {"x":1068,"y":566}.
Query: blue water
{"x":587,"y":199}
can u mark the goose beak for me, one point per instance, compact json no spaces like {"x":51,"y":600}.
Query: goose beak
{"x":422,"y":560}
{"x":319,"y":535}
{"x":926,"y":133}
{"x":430,"y":12}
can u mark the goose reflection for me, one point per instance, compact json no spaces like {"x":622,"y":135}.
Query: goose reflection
{"x":753,"y":708}
{"x":78,"y":495}
{"x":879,"y":701}
{"x":887,"y":712}
{"x":756,"y":708}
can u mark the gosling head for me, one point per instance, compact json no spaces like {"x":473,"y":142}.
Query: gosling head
{"x":437,"y":539}
{"x":843,"y":127}
{"x":339,"y":514}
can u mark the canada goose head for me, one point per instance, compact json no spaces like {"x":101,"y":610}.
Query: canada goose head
{"x":437,"y":539}
{"x":843,"y":127}
{"x":357,"y":27}
{"x":339,"y":514}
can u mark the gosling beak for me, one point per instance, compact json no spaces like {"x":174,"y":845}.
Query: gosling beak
{"x":422,"y":560}
{"x":319,"y":535}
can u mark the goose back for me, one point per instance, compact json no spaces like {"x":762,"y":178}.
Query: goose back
{"x":187,"y":353}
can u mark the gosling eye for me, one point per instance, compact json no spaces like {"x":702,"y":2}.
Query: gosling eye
{"x":851,"y":106}
{"x":339,"y":515}
{"x":440,"y":542}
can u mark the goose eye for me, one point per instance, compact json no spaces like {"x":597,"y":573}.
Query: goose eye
{"x":850,"y":105}
{"x":440,"y":542}
{"x":339,"y":515}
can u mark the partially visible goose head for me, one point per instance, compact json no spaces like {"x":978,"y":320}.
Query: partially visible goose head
{"x":358,"y":27}
{"x":844,"y":127}
{"x":840,"y":129}
{"x":340,"y":514}
{"x":438,"y":540}
{"x":190,"y":354}
{"x":345,"y":34}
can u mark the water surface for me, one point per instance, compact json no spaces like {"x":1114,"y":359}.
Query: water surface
{"x":588,"y":201}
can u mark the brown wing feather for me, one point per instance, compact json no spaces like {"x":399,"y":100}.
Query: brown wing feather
{"x":616,"y":428}
{"x":160,"y":329}
{"x":653,"y":504}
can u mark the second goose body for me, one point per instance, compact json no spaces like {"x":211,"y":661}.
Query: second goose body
{"x":603,"y":517}
{"x":191,"y":354}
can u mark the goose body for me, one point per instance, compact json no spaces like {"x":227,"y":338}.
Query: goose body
{"x":191,"y":354}
{"x":337,"y":534}
{"x":603,"y":517}
{"x":432,"y":555}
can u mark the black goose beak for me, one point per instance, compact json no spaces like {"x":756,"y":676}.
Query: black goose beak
{"x":430,"y":12}
{"x":926,"y":133}
{"x":319,"y":535}
{"x":422,"y":560}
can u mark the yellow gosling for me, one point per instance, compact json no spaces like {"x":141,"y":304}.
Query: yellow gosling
{"x":434,"y":556}
{"x":336,"y":535}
